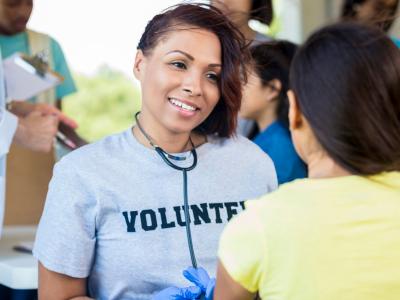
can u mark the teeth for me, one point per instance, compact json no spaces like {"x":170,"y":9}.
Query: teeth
{"x":182,"y":105}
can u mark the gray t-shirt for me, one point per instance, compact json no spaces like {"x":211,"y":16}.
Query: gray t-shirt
{"x":114,"y":212}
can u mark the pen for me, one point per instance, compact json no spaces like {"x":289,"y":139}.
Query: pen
{"x":66,"y":140}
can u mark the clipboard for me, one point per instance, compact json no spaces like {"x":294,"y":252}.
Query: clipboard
{"x":26,"y":76}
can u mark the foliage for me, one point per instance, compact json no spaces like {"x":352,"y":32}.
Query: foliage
{"x":104,"y":104}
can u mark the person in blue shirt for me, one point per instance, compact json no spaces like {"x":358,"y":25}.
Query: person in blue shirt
{"x":265,"y":102}
{"x":380,"y":13}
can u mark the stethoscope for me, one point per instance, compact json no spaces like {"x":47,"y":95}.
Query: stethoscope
{"x":168,"y":158}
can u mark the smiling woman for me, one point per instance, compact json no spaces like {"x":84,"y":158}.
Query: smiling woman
{"x":114,"y":226}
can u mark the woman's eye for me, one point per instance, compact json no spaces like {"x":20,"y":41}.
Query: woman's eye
{"x":213,"y":77}
{"x":179,"y":64}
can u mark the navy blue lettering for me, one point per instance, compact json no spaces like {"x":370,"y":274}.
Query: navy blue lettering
{"x":164,"y":221}
{"x":231,"y":209}
{"x":242,"y":204}
{"x":179,"y":220}
{"x":200,"y":213}
{"x":217,"y":207}
{"x":130,"y":224}
{"x":153,"y":220}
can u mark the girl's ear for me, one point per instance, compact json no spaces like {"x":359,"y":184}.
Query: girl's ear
{"x":138,"y":67}
{"x":295,"y":115}
{"x":273,"y":89}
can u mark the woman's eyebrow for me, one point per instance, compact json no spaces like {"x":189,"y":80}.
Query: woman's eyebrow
{"x":190,"y":57}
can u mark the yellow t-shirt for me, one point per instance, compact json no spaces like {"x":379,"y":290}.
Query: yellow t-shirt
{"x":319,"y":239}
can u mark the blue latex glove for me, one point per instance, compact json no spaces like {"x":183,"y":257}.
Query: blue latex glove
{"x":175,"y":293}
{"x":201,"y":279}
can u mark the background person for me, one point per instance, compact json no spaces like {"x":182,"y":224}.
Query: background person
{"x":335,"y":235}
{"x":265,"y":102}
{"x":34,"y":127}
{"x":381,"y":13}
{"x":240,"y":13}
{"x":113,"y":226}
{"x":26,"y":167}
{"x":16,"y":37}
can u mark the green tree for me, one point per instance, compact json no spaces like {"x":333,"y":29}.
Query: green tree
{"x":104,"y":104}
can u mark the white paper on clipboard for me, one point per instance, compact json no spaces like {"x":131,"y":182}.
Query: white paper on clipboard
{"x":22,"y":81}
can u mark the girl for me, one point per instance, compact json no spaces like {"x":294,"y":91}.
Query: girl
{"x":266,"y":103}
{"x":335,"y":235}
{"x":115,"y":222}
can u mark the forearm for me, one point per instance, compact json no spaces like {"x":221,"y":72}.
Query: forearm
{"x":55,"y":286}
{"x":227,"y":288}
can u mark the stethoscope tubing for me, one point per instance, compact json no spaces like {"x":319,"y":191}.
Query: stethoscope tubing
{"x":166,"y":158}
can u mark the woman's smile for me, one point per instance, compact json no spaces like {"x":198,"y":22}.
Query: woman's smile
{"x":184,"y":107}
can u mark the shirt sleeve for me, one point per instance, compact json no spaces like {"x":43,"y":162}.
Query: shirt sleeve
{"x":242,"y":250}
{"x":60,"y":66}
{"x":66,"y":236}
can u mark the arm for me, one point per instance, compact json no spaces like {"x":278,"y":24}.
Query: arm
{"x":227,"y":288}
{"x":54,"y":286}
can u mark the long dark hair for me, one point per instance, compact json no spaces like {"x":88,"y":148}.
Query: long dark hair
{"x":223,"y":119}
{"x":346,"y":78}
{"x":349,"y":13}
{"x":271,"y":60}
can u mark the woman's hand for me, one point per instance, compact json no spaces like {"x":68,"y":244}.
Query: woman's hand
{"x":202,"y":280}
{"x":175,"y":293}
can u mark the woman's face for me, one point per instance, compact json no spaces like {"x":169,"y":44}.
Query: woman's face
{"x":255,"y":97}
{"x":179,"y":80}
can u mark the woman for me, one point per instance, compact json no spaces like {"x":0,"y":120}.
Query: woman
{"x":114,"y":224}
{"x":265,"y":102}
{"x":335,"y":235}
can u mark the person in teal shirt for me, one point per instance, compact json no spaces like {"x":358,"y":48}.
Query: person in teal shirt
{"x":265,"y":102}
{"x":16,"y":37}
{"x":19,"y":42}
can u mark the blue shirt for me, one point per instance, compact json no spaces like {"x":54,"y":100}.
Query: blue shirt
{"x":276,"y":141}
{"x":396,"y":41}
{"x":19,"y":43}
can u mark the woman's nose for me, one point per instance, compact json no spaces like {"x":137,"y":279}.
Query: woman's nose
{"x":192,"y":84}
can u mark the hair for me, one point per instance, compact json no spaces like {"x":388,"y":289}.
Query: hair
{"x":223,"y":119}
{"x":346,"y":79}
{"x":349,"y":13}
{"x":271,"y":60}
{"x":262,"y":10}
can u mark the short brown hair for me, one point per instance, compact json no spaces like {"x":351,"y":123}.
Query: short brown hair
{"x":223,"y":119}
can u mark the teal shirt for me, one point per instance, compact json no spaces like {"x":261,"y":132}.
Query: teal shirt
{"x":396,"y":41}
{"x":19,"y":43}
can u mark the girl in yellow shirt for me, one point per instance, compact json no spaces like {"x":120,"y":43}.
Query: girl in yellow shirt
{"x":335,"y":235}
